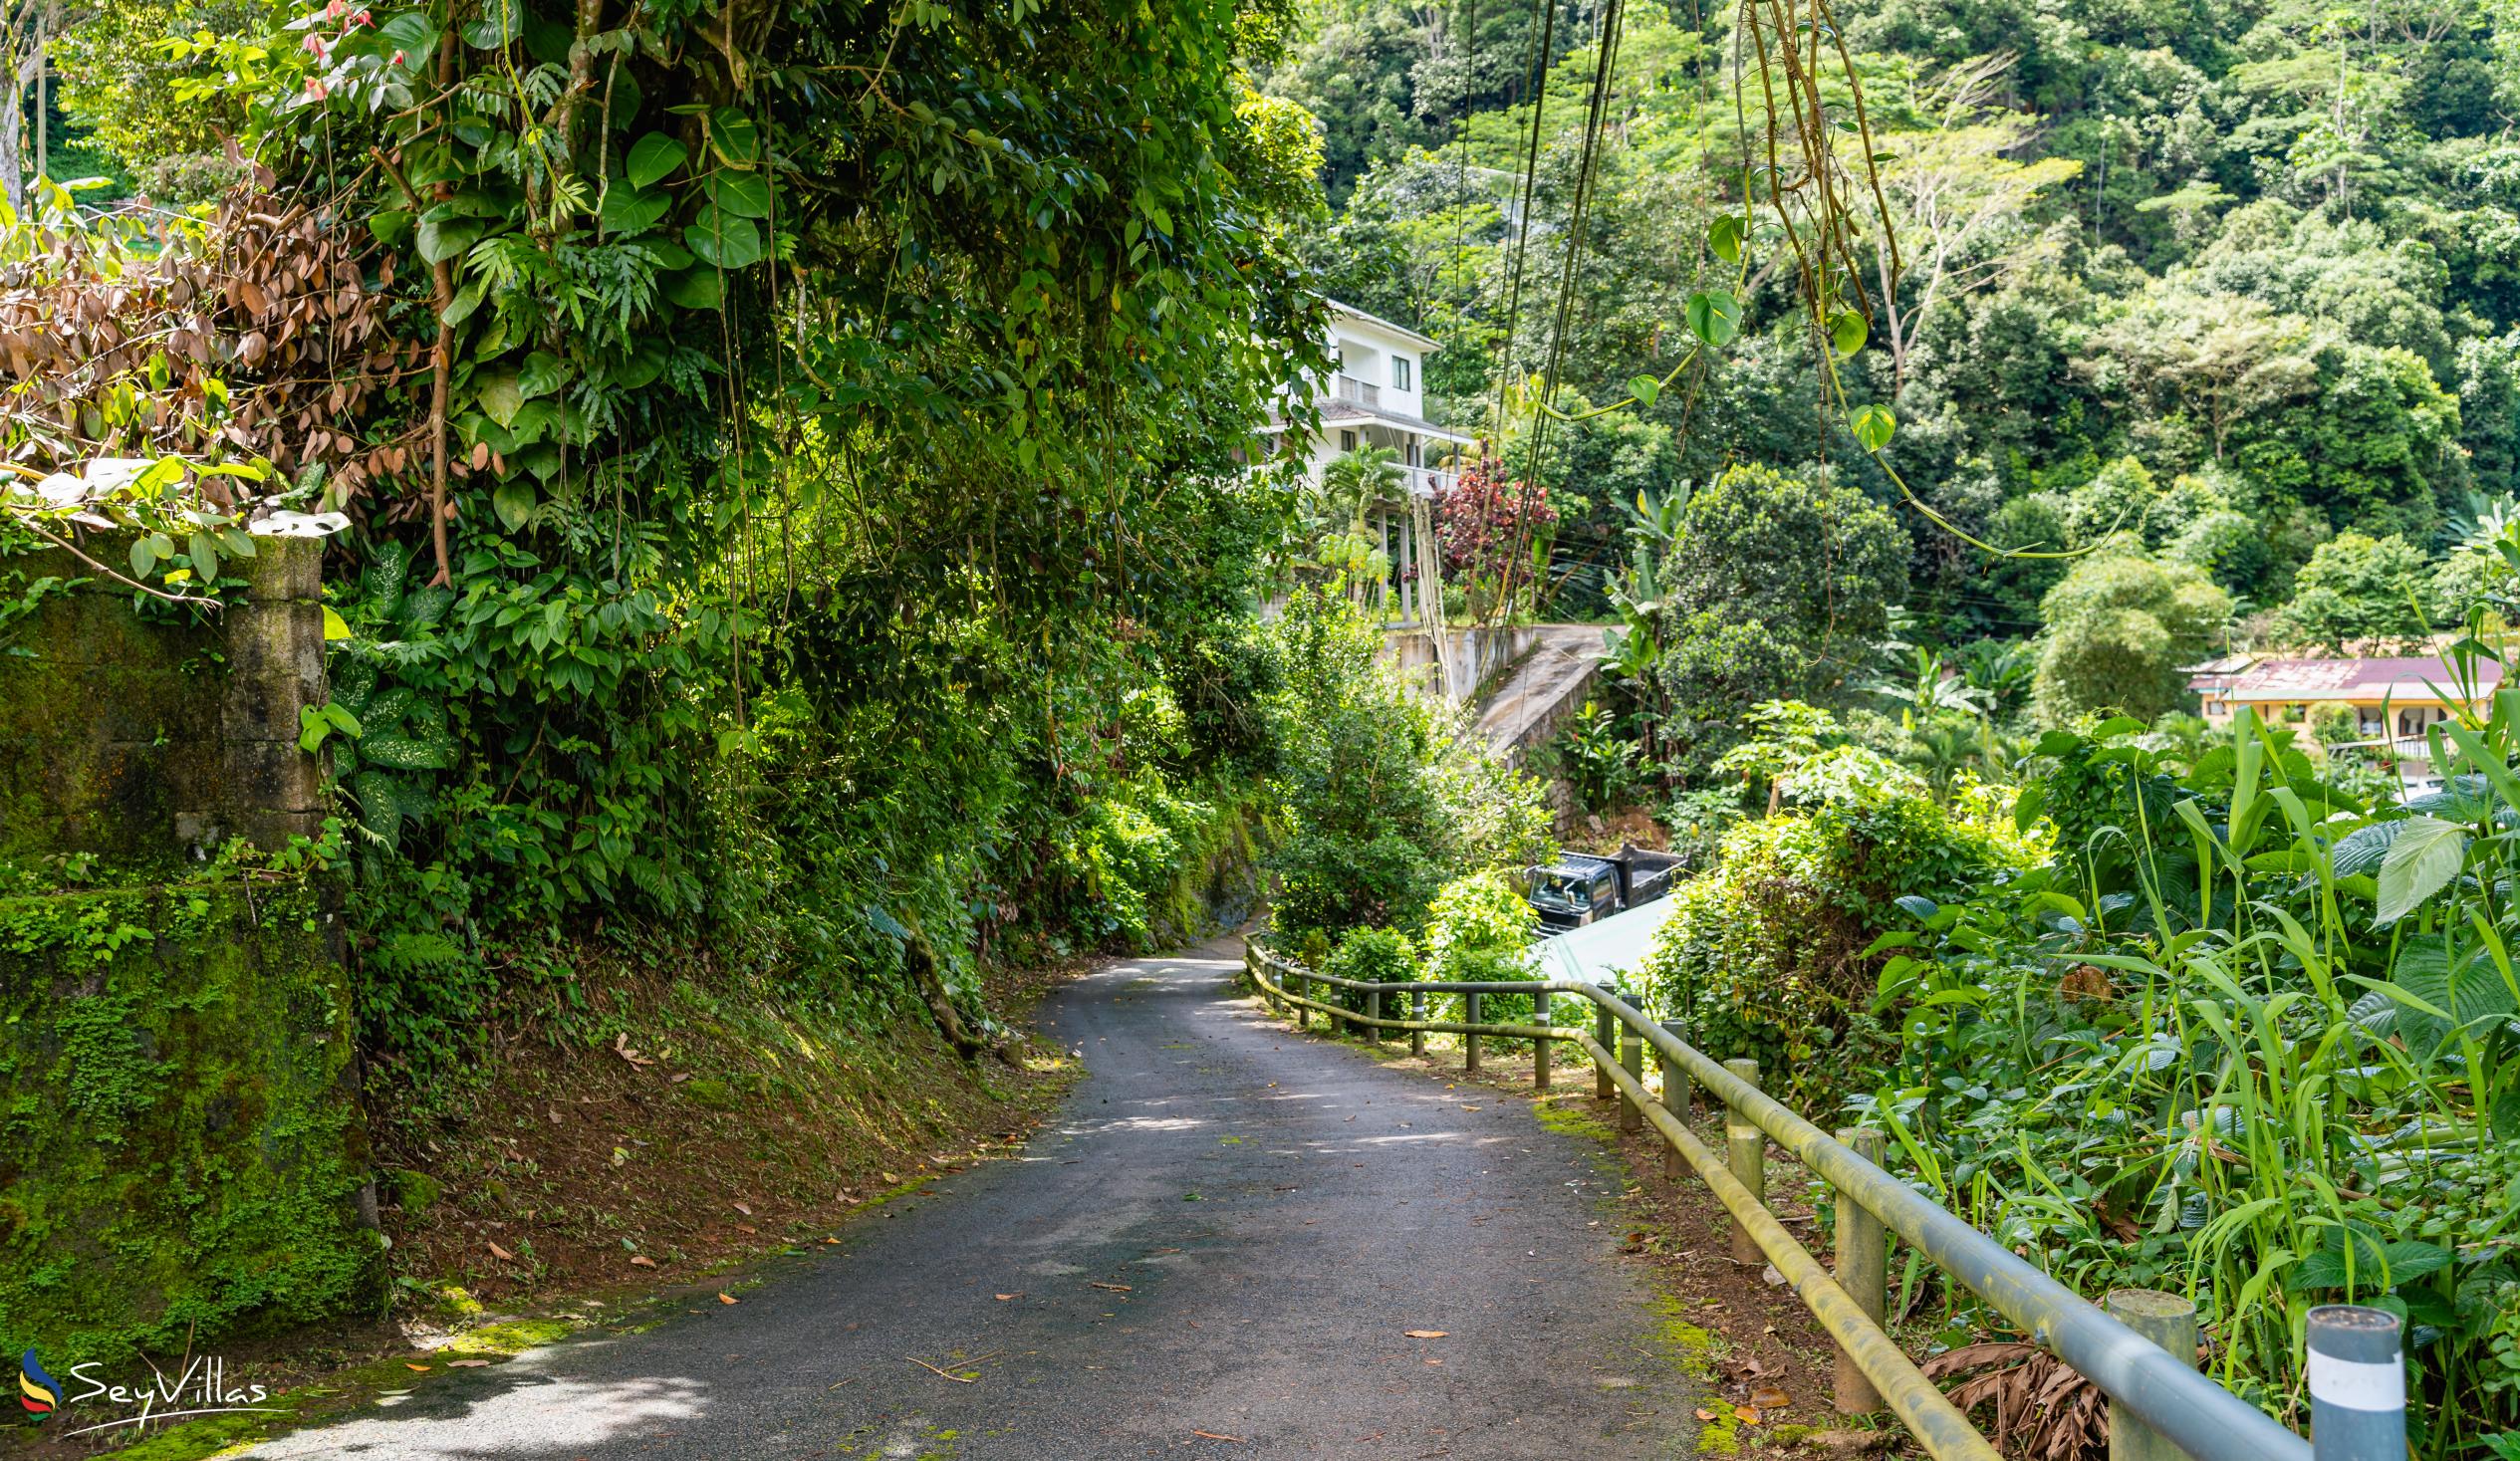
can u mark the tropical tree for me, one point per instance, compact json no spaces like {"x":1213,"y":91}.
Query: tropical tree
{"x":2358,"y":589}
{"x":2119,"y":629}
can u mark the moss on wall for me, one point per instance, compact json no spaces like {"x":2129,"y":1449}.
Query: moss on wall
{"x":182,"y":1149}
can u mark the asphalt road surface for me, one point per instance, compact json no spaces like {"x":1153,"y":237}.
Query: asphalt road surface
{"x":1230,"y":1231}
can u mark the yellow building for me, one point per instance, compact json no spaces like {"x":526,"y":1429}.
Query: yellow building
{"x":2394,"y":700}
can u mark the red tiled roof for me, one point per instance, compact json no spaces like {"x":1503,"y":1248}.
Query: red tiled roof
{"x":2406,"y":677}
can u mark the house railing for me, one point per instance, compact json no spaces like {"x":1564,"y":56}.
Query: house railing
{"x":2161,"y":1406}
{"x":1362,"y":393}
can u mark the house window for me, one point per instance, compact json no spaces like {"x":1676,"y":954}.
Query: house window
{"x":1347,"y":441}
{"x":1399,"y":373}
{"x":1414,"y":457}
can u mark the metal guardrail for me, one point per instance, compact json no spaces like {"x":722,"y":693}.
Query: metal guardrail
{"x":2160,"y":1404}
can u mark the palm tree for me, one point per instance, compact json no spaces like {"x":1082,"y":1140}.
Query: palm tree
{"x":1339,"y":511}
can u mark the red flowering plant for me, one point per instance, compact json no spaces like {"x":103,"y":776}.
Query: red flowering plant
{"x":1490,"y":524}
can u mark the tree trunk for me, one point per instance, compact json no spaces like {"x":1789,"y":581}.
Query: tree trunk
{"x":13,"y":138}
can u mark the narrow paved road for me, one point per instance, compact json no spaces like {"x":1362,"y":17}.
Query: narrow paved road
{"x":1230,"y":1231}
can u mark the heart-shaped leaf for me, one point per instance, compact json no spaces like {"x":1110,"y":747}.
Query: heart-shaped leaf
{"x":1714,"y":317}
{"x":628,"y":210}
{"x":500,"y":393}
{"x":1644,"y":388}
{"x":1726,"y":235}
{"x":735,"y":137}
{"x":742,"y":194}
{"x":728,"y":243}
{"x":652,"y":159}
{"x":1848,"y":332}
{"x":695,"y":288}
{"x":1873,"y":425}
{"x":513,"y":502}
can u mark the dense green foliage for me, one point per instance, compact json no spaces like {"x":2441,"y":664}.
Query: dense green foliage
{"x":2225,"y":292}
{"x":846,"y":550}
{"x":1767,"y":953}
{"x":185,"y":1148}
{"x":1385,"y":799}
{"x":2215,"y":1024}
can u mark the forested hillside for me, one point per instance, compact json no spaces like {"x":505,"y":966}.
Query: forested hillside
{"x":2235,"y":279}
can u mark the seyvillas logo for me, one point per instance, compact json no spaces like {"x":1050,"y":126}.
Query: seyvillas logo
{"x":38,"y":1392}
{"x":201,"y":1387}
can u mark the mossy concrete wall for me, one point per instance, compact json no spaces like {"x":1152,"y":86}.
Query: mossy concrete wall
{"x":182,"y":1153}
{"x":138,"y":733}
{"x":182,"y":1150}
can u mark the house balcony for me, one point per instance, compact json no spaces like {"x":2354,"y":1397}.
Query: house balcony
{"x":1361,"y":392}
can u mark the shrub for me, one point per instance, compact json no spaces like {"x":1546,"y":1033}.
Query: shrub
{"x":1480,"y":928}
{"x":1384,"y":795}
{"x":1767,"y":954}
{"x":1376,"y":955}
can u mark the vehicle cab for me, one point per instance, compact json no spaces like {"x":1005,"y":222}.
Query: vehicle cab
{"x":1575,"y":891}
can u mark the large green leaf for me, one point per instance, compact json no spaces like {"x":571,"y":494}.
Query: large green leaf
{"x":630,"y":210}
{"x":652,"y":159}
{"x":695,"y":289}
{"x":2426,"y":855}
{"x":735,"y":137}
{"x":1713,"y":317}
{"x":728,"y":243}
{"x":2463,"y":983}
{"x":2365,"y":848}
{"x":513,"y":502}
{"x":501,"y":395}
{"x":446,"y":238}
{"x":740,"y":194}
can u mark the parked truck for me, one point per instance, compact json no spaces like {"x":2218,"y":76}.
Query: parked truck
{"x":1583,"y":888}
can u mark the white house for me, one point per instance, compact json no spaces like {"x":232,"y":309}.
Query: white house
{"x":1377,"y":396}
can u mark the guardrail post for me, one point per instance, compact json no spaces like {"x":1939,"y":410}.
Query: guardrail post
{"x":1605,"y":1029}
{"x":1540,"y":1048}
{"x":2358,"y":1384}
{"x":1675,"y":1095}
{"x":1632,"y":1053}
{"x":1470,"y":1041}
{"x":1373,"y":1013}
{"x":1746,"y":1151}
{"x":2170,"y":1320}
{"x":1864,"y":1272}
{"x":1417,"y":1012}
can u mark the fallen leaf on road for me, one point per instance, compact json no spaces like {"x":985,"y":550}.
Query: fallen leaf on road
{"x":622,"y":1048}
{"x":467,"y":1363}
{"x":1002,"y":1298}
{"x":1115,"y":1288}
{"x":1469,"y":1107}
{"x":834,"y":1242}
{"x":1747,"y":1415}
{"x":1425,"y":1333}
{"x":499,"y":1253}
{"x":889,"y":1180}
{"x":1706,"y":1414}
{"x":1431,"y":1361}
{"x":1209,"y":1435}
{"x":422,"y":1368}
{"x":643,"y":1260}
{"x":725,"y":1298}
{"x":1770,"y":1399}
{"x":739,"y":1207}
